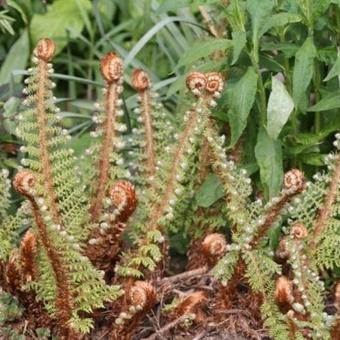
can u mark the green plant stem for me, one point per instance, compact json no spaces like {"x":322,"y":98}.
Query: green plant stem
{"x":254,"y":57}
{"x":316,"y":82}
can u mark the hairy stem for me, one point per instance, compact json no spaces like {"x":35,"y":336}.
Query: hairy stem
{"x":44,"y":153}
{"x":326,"y":209}
{"x":149,"y":147}
{"x":170,"y":184}
{"x":24,"y":183}
{"x":106,"y":149}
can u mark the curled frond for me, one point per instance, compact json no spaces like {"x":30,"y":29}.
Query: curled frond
{"x":299,"y":231}
{"x":111,"y":67}
{"x":196,"y":83}
{"x":24,"y":182}
{"x":215,"y":83}
{"x":124,"y":198}
{"x":214,"y":246}
{"x":140,"y":80}
{"x":142,"y":294}
{"x":294,"y":180}
{"x":44,"y":49}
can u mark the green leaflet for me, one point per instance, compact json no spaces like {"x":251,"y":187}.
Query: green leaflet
{"x":63,"y":17}
{"x":280,"y":106}
{"x":241,"y":99}
{"x":260,"y":11}
{"x":173,"y":5}
{"x":330,"y":102}
{"x":203,"y":49}
{"x":303,"y":72}
{"x":236,"y":15}
{"x":277,"y":20}
{"x":335,"y":70}
{"x":239,"y":42}
{"x":268,"y":154}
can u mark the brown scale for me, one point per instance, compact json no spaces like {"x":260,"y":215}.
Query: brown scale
{"x":103,"y":254}
{"x":192,"y":303}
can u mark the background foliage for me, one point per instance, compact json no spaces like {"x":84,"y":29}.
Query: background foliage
{"x":281,"y":59}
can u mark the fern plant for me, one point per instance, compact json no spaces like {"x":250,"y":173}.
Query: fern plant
{"x":73,"y":273}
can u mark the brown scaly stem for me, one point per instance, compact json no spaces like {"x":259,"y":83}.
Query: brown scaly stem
{"x":141,"y":82}
{"x":44,"y":52}
{"x":293,"y":179}
{"x":24,"y":183}
{"x":111,"y":69}
{"x":170,"y":184}
{"x":326,"y":209}
{"x":293,"y":329}
{"x":293,"y":185}
{"x":189,"y":308}
{"x":160,"y":206}
{"x":28,"y":256}
{"x":205,"y":87}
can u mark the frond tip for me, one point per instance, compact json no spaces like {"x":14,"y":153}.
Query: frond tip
{"x":196,"y":83}
{"x":140,"y":80}
{"x":142,"y":295}
{"x":213,"y":247}
{"x":111,"y":67}
{"x":44,"y":49}
{"x":24,"y":182}
{"x":299,"y":231}
{"x":124,"y":198}
{"x":294,"y":180}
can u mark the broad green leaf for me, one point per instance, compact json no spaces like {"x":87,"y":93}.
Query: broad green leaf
{"x":288,"y":49}
{"x":236,"y":15}
{"x":315,"y":159}
{"x":268,"y":153}
{"x":303,"y":72}
{"x":330,"y":102}
{"x":278,"y":20}
{"x":320,"y":7}
{"x":260,"y":11}
{"x":62,"y":16}
{"x":173,"y":5}
{"x":203,"y":49}
{"x":16,"y":58}
{"x":298,"y":150}
{"x":210,"y":191}
{"x":241,"y":99}
{"x":335,"y":70}
{"x":280,"y":106}
{"x":313,"y":9}
{"x":309,"y":138}
{"x":239,"y":41}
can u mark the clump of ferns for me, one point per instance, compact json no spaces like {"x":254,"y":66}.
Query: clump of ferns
{"x":66,"y":265}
